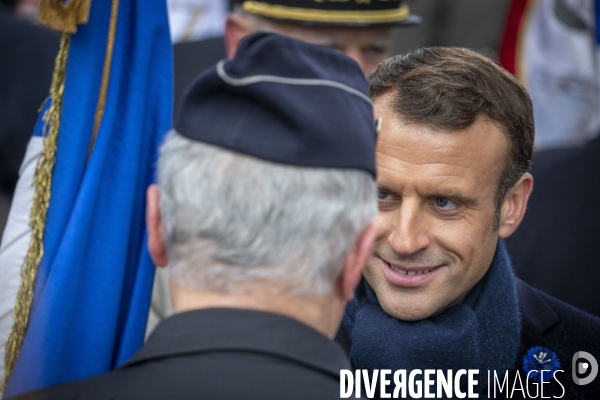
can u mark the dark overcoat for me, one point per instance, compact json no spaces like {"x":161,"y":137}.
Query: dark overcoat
{"x":216,"y":354}
{"x":562,"y":328}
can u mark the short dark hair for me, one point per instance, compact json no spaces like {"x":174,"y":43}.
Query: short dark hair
{"x":448,"y":88}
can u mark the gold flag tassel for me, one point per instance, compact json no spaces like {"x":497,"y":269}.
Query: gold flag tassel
{"x":37,"y":220}
{"x":63,"y":16}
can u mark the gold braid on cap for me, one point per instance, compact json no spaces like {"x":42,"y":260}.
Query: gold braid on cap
{"x":277,"y":11}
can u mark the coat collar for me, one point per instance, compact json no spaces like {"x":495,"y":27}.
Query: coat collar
{"x":228,"y":329}
{"x":535,"y":309}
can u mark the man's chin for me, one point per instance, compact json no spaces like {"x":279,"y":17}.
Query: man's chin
{"x":406,"y":312}
{"x":405,"y":304}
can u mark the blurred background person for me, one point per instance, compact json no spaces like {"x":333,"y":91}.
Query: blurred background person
{"x":193,"y":20}
{"x":474,"y":24}
{"x":362,"y":31}
{"x":27,"y":10}
{"x":552,"y":46}
{"x":26,"y":63}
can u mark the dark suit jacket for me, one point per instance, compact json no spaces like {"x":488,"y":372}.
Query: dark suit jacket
{"x":557,"y":247}
{"x":220,"y":353}
{"x":27,"y":55}
{"x":562,"y":328}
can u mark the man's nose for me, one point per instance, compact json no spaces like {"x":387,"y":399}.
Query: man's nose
{"x":355,"y":53}
{"x":409,"y":231}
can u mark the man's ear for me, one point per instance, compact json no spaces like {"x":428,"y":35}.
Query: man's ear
{"x":156,"y":237}
{"x":355,"y":262}
{"x":236,"y":29}
{"x":514,"y":206}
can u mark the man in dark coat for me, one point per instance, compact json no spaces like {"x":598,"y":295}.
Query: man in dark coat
{"x":264,"y":220}
{"x":557,"y":246}
{"x":439,"y":292}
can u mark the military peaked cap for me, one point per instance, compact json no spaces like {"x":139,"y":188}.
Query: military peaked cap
{"x":333,"y":12}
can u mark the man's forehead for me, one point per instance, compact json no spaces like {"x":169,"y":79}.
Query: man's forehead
{"x":335,"y":35}
{"x":474,"y":155}
{"x":484,"y":138}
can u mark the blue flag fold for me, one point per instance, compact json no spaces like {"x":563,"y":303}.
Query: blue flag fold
{"x":94,"y":283}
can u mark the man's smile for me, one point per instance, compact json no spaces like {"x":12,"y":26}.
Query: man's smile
{"x":408,"y":276}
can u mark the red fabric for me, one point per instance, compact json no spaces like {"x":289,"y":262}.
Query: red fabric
{"x":508,"y":47}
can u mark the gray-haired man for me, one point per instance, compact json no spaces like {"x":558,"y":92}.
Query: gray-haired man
{"x":263,"y":214}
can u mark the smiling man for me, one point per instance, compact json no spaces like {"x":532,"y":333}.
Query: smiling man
{"x":436,"y":201}
{"x":453,"y":153}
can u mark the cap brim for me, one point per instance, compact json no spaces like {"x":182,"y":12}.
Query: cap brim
{"x":411,"y":20}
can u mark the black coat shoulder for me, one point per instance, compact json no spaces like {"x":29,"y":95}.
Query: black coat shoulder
{"x":219,"y":354}
{"x":563,"y":329}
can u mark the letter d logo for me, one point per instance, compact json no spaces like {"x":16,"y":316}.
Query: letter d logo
{"x":583,"y":367}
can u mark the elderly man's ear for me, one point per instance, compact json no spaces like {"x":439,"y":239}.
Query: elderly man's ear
{"x":156,"y":237}
{"x":514,"y":206}
{"x":355,"y":262}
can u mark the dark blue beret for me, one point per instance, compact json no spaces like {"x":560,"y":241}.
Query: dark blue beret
{"x":285,"y":101}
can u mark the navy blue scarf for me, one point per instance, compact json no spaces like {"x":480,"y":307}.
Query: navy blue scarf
{"x":481,"y":333}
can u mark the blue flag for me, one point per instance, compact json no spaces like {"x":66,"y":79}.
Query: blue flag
{"x":597,"y":20}
{"x":94,"y":282}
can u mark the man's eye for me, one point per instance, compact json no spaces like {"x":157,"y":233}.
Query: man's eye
{"x":442,"y":202}
{"x":381,"y":195}
{"x":377,"y":50}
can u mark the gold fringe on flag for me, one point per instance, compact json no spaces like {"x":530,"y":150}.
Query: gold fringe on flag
{"x":64,"y":16}
{"x":37,"y":220}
